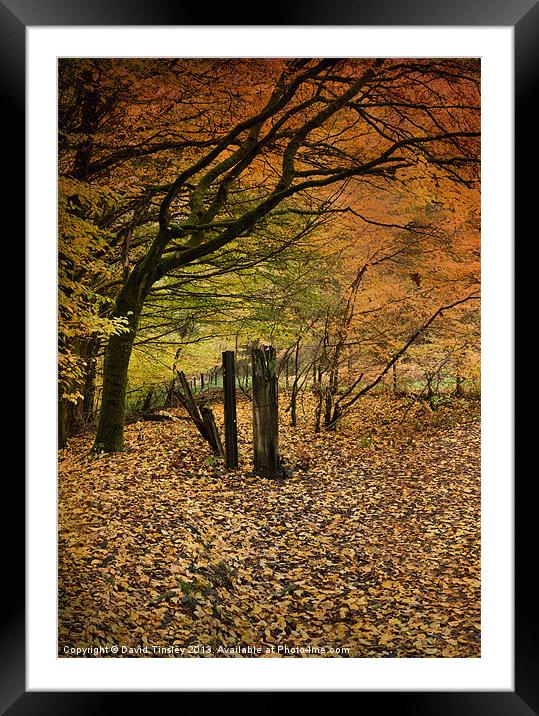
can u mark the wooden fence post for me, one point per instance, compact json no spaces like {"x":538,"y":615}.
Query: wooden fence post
{"x":229,"y":393}
{"x":267,"y":461}
{"x":202,"y":417}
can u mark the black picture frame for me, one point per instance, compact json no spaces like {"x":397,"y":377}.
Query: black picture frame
{"x":523,"y":16}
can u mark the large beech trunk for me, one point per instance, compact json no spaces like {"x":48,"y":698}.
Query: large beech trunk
{"x":110,"y":428}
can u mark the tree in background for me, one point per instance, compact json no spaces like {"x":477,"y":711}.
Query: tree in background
{"x":82,"y":308}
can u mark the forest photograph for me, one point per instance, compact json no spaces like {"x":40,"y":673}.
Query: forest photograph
{"x":269,"y":384}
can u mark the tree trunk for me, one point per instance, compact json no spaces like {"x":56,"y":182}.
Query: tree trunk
{"x":430,"y":391}
{"x":328,"y":407}
{"x":147,"y":401}
{"x":110,"y":428}
{"x":91,"y":350}
{"x":169,"y":400}
{"x":318,"y":411}
{"x":294,"y":407}
{"x":62,"y":423}
{"x":267,"y":461}
{"x":295,"y":388}
{"x":335,"y":417}
{"x":458,"y":393}
{"x":76,"y":416}
{"x":332,"y":407}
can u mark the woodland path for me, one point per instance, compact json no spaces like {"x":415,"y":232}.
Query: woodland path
{"x":367,"y":549}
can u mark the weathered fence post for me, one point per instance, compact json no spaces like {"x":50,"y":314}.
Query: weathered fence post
{"x":267,"y":461}
{"x":229,"y":393}
{"x":202,"y":417}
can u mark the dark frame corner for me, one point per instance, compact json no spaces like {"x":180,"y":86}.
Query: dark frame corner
{"x":523,"y":16}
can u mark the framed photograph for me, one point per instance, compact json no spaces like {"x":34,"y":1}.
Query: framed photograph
{"x":314,"y":199}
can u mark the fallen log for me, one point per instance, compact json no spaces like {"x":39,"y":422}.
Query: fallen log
{"x":157,"y":417}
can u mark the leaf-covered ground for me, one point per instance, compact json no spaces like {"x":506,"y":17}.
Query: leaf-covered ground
{"x":370,"y":549}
